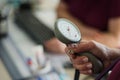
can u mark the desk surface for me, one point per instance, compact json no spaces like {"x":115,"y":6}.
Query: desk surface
{"x":5,"y":76}
{"x":3,"y":72}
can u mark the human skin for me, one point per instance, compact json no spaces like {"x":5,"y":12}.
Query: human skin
{"x":82,"y":63}
{"x":55,"y":46}
{"x":110,"y":38}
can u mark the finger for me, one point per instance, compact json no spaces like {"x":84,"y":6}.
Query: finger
{"x":69,"y":51}
{"x":83,"y":46}
{"x":79,"y":60}
{"x":87,"y":72}
{"x":74,"y":45}
{"x":83,"y":67}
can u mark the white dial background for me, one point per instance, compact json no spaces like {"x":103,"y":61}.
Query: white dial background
{"x":69,"y":30}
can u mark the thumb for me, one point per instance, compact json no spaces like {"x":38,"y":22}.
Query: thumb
{"x":83,"y":46}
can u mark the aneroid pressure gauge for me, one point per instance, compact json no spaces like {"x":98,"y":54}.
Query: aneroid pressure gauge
{"x":68,"y":33}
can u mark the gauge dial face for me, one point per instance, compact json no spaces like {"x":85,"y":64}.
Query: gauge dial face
{"x":69,"y":30}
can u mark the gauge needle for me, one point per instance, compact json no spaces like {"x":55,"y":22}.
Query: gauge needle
{"x":75,"y":35}
{"x":68,"y":29}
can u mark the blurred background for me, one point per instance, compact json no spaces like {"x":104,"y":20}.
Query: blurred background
{"x":24,"y":27}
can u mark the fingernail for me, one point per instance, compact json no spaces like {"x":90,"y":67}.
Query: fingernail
{"x":85,"y":59}
{"x":89,"y":71}
{"x":89,"y":66}
{"x":74,"y":45}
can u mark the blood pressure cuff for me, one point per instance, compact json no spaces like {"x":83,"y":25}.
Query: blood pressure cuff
{"x":33,"y":27}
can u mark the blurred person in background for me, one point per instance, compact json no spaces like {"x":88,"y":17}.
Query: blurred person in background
{"x":55,"y":46}
{"x":97,"y":20}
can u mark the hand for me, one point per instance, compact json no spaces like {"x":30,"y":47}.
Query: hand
{"x":55,"y":46}
{"x":81,"y":62}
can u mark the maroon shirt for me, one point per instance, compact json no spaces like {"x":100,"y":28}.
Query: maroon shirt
{"x":115,"y":74}
{"x":94,"y":13}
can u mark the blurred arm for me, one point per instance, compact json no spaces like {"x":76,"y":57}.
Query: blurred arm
{"x":110,"y":38}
